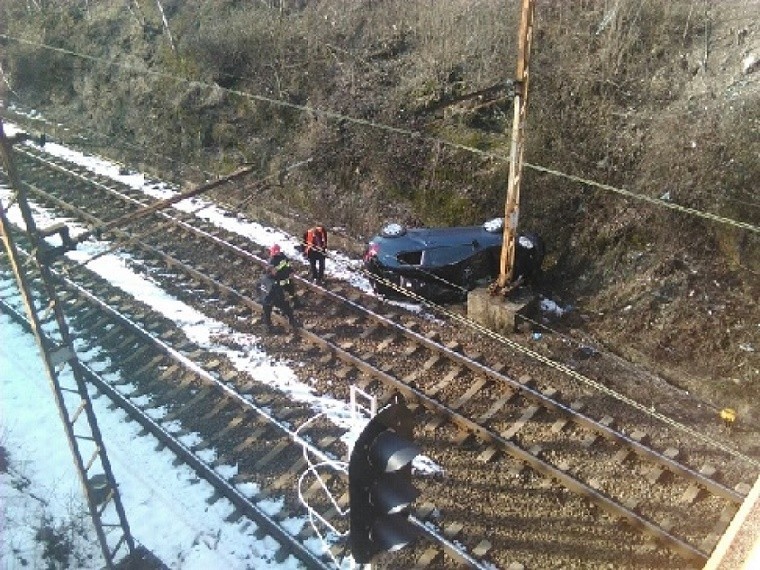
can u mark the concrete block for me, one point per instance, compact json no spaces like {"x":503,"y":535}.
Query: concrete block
{"x":499,"y":313}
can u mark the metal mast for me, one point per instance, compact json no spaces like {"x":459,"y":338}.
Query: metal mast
{"x":512,"y":206}
{"x":71,"y":397}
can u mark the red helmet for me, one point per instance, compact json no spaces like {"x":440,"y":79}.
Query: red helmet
{"x":275,"y":249}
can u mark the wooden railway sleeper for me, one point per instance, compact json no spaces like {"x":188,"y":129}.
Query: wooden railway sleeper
{"x":534,"y":462}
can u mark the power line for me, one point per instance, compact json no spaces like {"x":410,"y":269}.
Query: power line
{"x":494,"y":335}
{"x":563,"y":368}
{"x":645,"y":198}
{"x":402,"y":131}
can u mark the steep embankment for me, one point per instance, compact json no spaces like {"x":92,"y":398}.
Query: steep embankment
{"x":653,"y":97}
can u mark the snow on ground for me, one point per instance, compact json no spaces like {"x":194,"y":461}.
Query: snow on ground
{"x":165,"y":507}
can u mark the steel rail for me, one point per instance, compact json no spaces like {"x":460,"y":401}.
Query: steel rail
{"x":545,"y":401}
{"x":224,"y":488}
{"x":455,"y":551}
{"x":607,"y":432}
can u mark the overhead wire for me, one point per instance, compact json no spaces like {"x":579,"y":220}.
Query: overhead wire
{"x":405,"y":132}
{"x":487,"y":154}
{"x":563,"y":368}
{"x":374,"y":278}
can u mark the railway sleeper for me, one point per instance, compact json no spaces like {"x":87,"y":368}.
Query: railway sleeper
{"x":285,"y":481}
{"x":425,"y":511}
{"x":656,"y":474}
{"x":316,"y":486}
{"x":229,"y":375}
{"x":368,"y":332}
{"x":592,"y":438}
{"x":183,"y":408}
{"x":85,"y":319}
{"x":384,"y":344}
{"x":273,"y":453}
{"x":215,"y":411}
{"x":551,"y":393}
{"x":214,"y":498}
{"x":622,"y":455}
{"x":411,"y":378}
{"x":482,"y":548}
{"x":667,"y":525}
{"x":184,"y":384}
{"x":516,"y":469}
{"x":169,"y":372}
{"x":453,"y":530}
{"x":235,"y":516}
{"x":147,"y":388}
{"x":711,"y":540}
{"x":476,"y":357}
{"x":233,"y":424}
{"x":462,"y":438}
{"x":124,"y":346}
{"x":114,"y":331}
{"x":527,"y":415}
{"x":385,"y":395}
{"x":345,"y":372}
{"x":488,"y":454}
{"x":639,"y":436}
{"x":433,"y":336}
{"x":411,"y":350}
{"x":497,"y":406}
{"x":695,"y":492}
{"x":431,"y":362}
{"x":467,"y":396}
{"x":527,"y":381}
{"x":450,"y":376}
{"x":431,"y":556}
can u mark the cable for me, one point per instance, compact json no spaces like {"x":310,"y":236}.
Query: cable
{"x":454,"y":316}
{"x":402,"y":131}
{"x":561,"y":368}
{"x":645,"y":198}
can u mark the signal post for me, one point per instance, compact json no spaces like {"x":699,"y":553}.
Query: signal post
{"x":380,"y":485}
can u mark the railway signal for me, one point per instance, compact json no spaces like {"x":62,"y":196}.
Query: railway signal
{"x":380,"y":484}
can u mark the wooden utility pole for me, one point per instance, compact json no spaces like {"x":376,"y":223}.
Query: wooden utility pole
{"x":511,"y":210}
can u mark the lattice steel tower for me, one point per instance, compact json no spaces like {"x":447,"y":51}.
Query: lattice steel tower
{"x":43,"y":308}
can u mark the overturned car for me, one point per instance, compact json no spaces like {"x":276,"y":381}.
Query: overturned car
{"x":445,"y":263}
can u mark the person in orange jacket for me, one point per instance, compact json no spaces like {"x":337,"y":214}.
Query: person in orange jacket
{"x":315,"y":248}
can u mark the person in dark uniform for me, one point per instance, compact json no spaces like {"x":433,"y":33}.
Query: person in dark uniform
{"x":271,"y":289}
{"x":315,"y":248}
{"x":281,"y":270}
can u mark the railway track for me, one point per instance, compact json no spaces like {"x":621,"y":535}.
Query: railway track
{"x":174,"y":397}
{"x":532,"y":455}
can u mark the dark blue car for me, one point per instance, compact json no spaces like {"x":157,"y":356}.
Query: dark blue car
{"x":444,"y":263}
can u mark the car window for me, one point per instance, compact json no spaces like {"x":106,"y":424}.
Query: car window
{"x":409,"y":257}
{"x":437,"y":256}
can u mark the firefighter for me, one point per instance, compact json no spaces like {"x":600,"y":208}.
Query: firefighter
{"x":272,"y":288}
{"x":315,"y":248}
{"x":281,"y":271}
